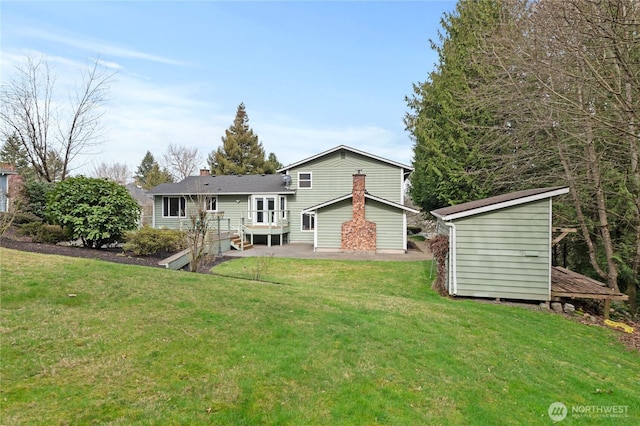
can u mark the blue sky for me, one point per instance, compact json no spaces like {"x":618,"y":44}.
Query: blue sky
{"x":312,"y":75}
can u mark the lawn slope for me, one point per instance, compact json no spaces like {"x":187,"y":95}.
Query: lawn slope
{"x":333,"y":342}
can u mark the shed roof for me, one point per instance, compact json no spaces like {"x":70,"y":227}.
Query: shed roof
{"x":406,"y":169}
{"x":498,"y":202}
{"x":225,"y":185}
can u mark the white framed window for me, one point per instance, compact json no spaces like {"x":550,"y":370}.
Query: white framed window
{"x":304,"y":180}
{"x":174,"y":207}
{"x":283,"y":207}
{"x":211,"y":204}
{"x":308,"y":222}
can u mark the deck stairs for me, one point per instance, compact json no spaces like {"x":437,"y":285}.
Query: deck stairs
{"x":236,"y":243}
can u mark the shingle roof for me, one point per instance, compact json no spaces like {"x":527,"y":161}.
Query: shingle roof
{"x":497,"y":202}
{"x":227,"y":184}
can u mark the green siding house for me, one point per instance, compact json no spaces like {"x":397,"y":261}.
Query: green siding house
{"x":314,"y":200}
{"x":500,"y":247}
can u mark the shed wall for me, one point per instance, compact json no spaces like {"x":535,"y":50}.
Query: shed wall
{"x":505,"y":253}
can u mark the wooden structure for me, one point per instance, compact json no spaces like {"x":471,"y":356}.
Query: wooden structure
{"x":500,"y":247}
{"x":566,"y":283}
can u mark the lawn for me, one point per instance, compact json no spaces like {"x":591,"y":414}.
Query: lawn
{"x":317,"y":342}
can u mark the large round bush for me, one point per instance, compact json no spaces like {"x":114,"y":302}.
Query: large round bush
{"x":98,"y":211}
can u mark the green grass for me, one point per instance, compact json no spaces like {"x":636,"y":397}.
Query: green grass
{"x":333,"y":342}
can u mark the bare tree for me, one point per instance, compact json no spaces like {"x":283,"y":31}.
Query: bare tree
{"x":32,"y":111}
{"x":181,"y":161}
{"x":117,"y":172}
{"x":565,"y":95}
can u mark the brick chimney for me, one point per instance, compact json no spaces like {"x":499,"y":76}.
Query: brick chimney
{"x":358,"y":234}
{"x":205,"y":172}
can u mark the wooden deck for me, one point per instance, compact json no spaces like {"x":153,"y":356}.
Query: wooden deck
{"x":566,"y":283}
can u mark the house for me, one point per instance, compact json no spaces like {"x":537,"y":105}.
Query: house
{"x":342,"y":199}
{"x":145,"y":201}
{"x":7,"y":181}
{"x":500,"y":247}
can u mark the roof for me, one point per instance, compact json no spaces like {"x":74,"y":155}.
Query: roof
{"x":407,"y":169}
{"x":225,"y":185}
{"x":366,"y":196}
{"x":498,"y":202}
{"x":139,"y":194}
{"x":566,"y":283}
{"x":7,"y":171}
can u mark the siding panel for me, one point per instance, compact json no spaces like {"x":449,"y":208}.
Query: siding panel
{"x":505,"y":253}
{"x":332,"y":177}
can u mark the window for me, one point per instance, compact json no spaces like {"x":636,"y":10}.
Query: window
{"x":211,"y":204}
{"x":308,"y":222}
{"x":304,"y":180}
{"x":174,"y":207}
{"x":283,"y":207}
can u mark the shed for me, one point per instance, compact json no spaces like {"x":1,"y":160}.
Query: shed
{"x":500,"y":247}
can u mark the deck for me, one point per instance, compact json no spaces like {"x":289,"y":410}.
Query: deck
{"x":566,"y":283}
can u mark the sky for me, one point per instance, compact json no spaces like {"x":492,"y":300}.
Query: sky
{"x":312,"y":74}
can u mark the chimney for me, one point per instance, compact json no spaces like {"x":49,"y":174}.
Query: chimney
{"x":358,"y":197}
{"x":358,"y":234}
{"x":205,"y":172}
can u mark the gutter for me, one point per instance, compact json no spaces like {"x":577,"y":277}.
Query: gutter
{"x":453,"y":277}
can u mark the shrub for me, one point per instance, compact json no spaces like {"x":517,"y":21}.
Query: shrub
{"x":414,"y":230}
{"x":42,"y":233}
{"x":23,"y":218}
{"x":98,"y":211}
{"x":37,"y":194}
{"x":147,"y":241}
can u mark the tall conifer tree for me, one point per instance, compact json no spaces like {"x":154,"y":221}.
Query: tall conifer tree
{"x":241,"y":151}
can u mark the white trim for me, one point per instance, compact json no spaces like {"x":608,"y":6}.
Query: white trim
{"x":207,"y":203}
{"x":390,"y":203}
{"x":366,"y":196}
{"x":453,"y":276}
{"x":179,"y":216}
{"x":310,"y":180}
{"x":550,"y":239}
{"x":326,"y":203}
{"x":402,"y":185}
{"x":502,"y":205}
{"x":346,"y":148}
{"x":315,"y":232}
{"x":404,"y":234}
{"x":313,"y":216}
{"x":153,"y":213}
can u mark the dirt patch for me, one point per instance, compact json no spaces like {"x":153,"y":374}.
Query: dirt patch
{"x":12,"y":240}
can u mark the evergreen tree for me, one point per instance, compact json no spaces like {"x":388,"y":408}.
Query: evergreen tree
{"x":13,"y":153}
{"x":272,"y":164}
{"x":144,"y":168}
{"x":241,"y":152}
{"x":156,"y":176}
{"x":150,"y":174}
{"x":446,"y":131}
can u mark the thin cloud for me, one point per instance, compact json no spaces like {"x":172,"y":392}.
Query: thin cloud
{"x":98,"y":46}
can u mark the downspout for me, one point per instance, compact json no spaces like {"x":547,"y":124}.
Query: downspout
{"x":550,"y":239}
{"x":453,"y":277}
{"x":315,"y":231}
{"x":404,"y":234}
{"x":153,"y":213}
